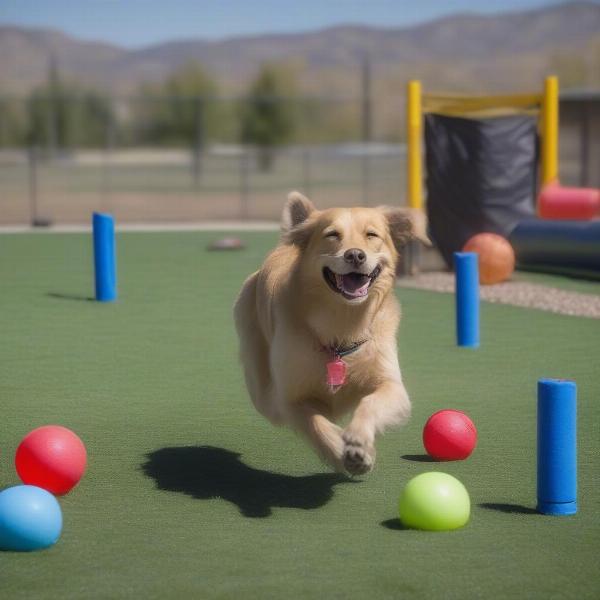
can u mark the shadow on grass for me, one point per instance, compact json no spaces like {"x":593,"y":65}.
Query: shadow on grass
{"x":509,"y":508}
{"x":418,"y":457}
{"x":80,"y":297}
{"x":395,"y":524}
{"x":206,"y":472}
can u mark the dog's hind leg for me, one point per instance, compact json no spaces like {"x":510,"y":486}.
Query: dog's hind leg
{"x":254,"y":352}
{"x":325,"y":436}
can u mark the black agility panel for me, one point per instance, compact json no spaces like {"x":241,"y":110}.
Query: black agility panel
{"x":481,"y":176}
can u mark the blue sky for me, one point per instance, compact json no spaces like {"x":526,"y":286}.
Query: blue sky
{"x":135,"y":23}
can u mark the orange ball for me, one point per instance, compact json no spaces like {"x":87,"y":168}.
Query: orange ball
{"x":496,"y":257}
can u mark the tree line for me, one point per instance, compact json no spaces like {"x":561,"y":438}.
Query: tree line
{"x":184,"y":110}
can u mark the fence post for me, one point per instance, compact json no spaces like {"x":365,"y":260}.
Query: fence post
{"x":585,"y":125}
{"x":366,"y":128}
{"x":366,"y":174}
{"x":51,"y":125}
{"x":33,"y":199}
{"x":3,"y":130}
{"x":367,"y":113}
{"x":109,"y":142}
{"x":198,"y":141}
{"x":244,"y":182}
{"x":306,"y":183}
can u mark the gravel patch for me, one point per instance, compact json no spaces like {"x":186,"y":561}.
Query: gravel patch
{"x":516,"y":293}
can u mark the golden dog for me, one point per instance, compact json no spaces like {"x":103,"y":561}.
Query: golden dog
{"x":317,"y":327}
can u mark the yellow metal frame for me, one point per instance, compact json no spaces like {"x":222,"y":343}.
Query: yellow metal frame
{"x":414,"y":125}
{"x":549,"y":131}
{"x":546,"y":105}
{"x":452,"y":105}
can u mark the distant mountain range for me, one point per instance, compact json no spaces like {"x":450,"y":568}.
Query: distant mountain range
{"x":466,"y":51}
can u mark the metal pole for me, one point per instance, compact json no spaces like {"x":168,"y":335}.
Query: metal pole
{"x":33,"y":200}
{"x":550,"y":132}
{"x":199,"y":141}
{"x":413,"y":135}
{"x":366,"y":126}
{"x":306,"y":174}
{"x":244,"y":182}
{"x":584,"y":149}
{"x":414,"y":167}
{"x":52,"y":107}
{"x":367,"y":115}
{"x":366,"y":175}
{"x":109,"y":142}
{"x":3,"y":130}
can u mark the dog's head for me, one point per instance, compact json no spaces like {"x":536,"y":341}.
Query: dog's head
{"x":350,"y":253}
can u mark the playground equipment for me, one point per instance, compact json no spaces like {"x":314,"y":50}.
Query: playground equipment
{"x":566,"y":247}
{"x":104,"y":257}
{"x":467,"y":299}
{"x":555,"y":201}
{"x":483,"y":154}
{"x":569,"y":203}
{"x":557,"y":447}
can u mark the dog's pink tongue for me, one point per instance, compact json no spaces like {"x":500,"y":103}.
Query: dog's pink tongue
{"x":355,"y":285}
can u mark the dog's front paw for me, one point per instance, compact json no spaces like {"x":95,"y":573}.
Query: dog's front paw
{"x":358,"y":457}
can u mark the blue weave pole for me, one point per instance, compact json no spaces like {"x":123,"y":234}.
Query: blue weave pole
{"x":466,"y":269}
{"x":104,"y":257}
{"x":557,"y":447}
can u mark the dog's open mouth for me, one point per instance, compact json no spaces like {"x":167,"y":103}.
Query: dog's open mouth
{"x":351,"y":285}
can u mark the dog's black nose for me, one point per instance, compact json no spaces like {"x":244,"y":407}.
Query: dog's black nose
{"x":355,"y":256}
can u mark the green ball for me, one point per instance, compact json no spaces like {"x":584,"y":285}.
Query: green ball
{"x":434,"y":501}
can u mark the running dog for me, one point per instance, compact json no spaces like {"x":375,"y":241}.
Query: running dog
{"x":317,"y":326}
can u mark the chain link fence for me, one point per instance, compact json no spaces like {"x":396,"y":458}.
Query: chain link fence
{"x":187,"y":159}
{"x":177,"y":159}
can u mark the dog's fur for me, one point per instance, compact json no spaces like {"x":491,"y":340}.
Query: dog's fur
{"x":288,"y":314}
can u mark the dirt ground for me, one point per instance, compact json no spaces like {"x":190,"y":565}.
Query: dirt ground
{"x":134,"y":207}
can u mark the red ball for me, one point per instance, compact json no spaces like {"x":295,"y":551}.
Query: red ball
{"x":51,"y":457}
{"x":449,"y":435}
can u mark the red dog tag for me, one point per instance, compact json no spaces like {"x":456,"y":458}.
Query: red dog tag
{"x":336,"y":374}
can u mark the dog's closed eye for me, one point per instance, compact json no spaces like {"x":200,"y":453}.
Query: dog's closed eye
{"x":334,"y":235}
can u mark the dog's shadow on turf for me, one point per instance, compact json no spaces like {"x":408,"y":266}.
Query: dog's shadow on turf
{"x":206,"y":472}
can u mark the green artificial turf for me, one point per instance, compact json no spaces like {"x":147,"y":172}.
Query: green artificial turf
{"x":190,"y":493}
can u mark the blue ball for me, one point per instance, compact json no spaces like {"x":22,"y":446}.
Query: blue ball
{"x":30,"y":518}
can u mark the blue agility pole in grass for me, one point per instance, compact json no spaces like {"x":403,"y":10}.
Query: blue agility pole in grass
{"x":466,"y":270}
{"x":557,"y":447}
{"x":105,"y":257}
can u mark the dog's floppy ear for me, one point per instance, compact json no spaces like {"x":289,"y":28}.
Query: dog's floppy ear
{"x":295,"y":227}
{"x":406,"y":224}
{"x":296,"y":210}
